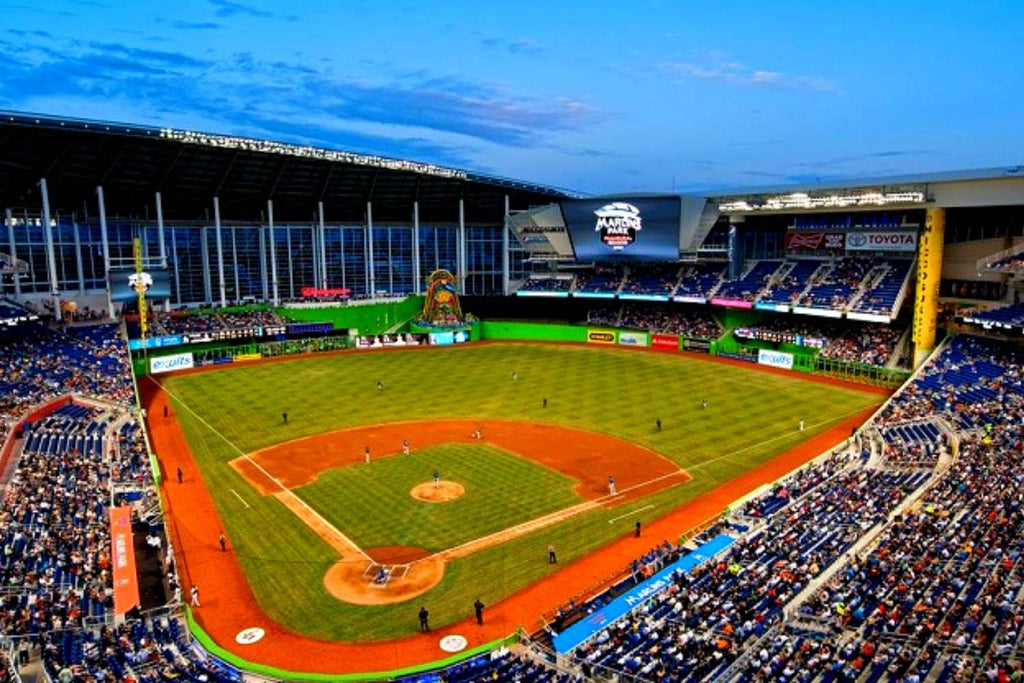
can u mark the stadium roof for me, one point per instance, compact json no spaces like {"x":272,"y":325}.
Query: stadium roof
{"x":189,"y":168}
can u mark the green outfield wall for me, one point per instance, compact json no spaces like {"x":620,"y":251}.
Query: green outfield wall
{"x":368,"y":318}
{"x":525,"y":331}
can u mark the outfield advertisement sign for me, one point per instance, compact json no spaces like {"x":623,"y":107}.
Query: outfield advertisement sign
{"x":155,"y":342}
{"x":584,"y":629}
{"x":901,"y":240}
{"x":633,"y":338}
{"x":702,"y":345}
{"x":600,"y":336}
{"x":178,"y":361}
{"x":448,"y":338}
{"x":665,"y":341}
{"x":775,"y":359}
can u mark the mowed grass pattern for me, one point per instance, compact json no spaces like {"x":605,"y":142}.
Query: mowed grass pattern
{"x":751,"y":417}
{"x":371,"y":503}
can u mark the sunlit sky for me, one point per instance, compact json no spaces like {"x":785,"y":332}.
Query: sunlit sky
{"x":593,"y":96}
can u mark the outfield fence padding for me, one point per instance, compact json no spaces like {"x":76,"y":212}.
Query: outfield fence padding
{"x":523,"y":331}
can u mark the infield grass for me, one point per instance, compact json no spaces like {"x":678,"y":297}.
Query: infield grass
{"x":751,"y":417}
{"x":372,"y":502}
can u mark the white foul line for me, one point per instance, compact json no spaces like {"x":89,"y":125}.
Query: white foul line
{"x":269,"y":476}
{"x":239,"y":497}
{"x":629,"y":514}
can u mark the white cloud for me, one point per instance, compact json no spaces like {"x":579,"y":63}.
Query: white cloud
{"x":716,"y":66}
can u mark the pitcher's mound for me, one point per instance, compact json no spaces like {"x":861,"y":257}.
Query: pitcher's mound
{"x":440,"y":493}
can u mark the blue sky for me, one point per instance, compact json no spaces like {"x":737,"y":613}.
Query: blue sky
{"x":594,"y":96}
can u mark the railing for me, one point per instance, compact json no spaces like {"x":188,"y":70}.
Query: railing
{"x":860,"y":372}
{"x":903,"y":290}
{"x":984,"y":262}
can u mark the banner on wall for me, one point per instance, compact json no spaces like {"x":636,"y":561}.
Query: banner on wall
{"x":177,"y":361}
{"x":122,"y":555}
{"x":584,"y":629}
{"x":155,"y":342}
{"x":901,"y":240}
{"x":775,"y":359}
{"x":600,"y":336}
{"x":633,"y":338}
{"x":665,"y":341}
{"x":702,"y":345}
{"x":815,"y":241}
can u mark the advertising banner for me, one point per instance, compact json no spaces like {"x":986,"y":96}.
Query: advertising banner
{"x":309,"y":328}
{"x":122,"y":555}
{"x":775,"y":359}
{"x":319,"y":291}
{"x":155,"y":342}
{"x":247,"y":356}
{"x":631,"y":228}
{"x":815,"y":241}
{"x":901,"y":240}
{"x":600,"y":336}
{"x":665,"y":341}
{"x":633,"y":338}
{"x":702,"y":345}
{"x":585,"y":628}
{"x":178,"y":361}
{"x":778,"y":308}
{"x":732,"y":303}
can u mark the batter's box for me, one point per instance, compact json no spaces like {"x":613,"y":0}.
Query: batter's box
{"x":382,"y":574}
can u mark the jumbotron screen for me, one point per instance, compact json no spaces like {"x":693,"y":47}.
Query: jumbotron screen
{"x":156,"y":282}
{"x":627,"y":229}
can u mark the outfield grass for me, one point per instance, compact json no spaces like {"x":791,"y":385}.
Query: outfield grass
{"x":372,"y":505}
{"x":751,"y":417}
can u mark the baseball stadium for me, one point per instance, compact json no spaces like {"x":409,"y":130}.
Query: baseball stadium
{"x":272,"y":412}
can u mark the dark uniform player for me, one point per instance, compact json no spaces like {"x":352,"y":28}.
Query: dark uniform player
{"x":478,"y":609}
{"x":424,"y":619}
{"x":658,"y":422}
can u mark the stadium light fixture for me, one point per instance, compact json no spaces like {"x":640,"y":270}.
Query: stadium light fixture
{"x":835,"y":200}
{"x":308,"y":152}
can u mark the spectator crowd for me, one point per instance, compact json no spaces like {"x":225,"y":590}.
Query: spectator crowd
{"x":936,"y":595}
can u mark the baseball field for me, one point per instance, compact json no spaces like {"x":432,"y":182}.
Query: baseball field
{"x":342,"y":536}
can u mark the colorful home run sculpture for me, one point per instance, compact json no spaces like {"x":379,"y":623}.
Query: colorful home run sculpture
{"x":441,"y":308}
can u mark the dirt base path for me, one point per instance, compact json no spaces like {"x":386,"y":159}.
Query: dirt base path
{"x":588,"y":457}
{"x":230,"y":606}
